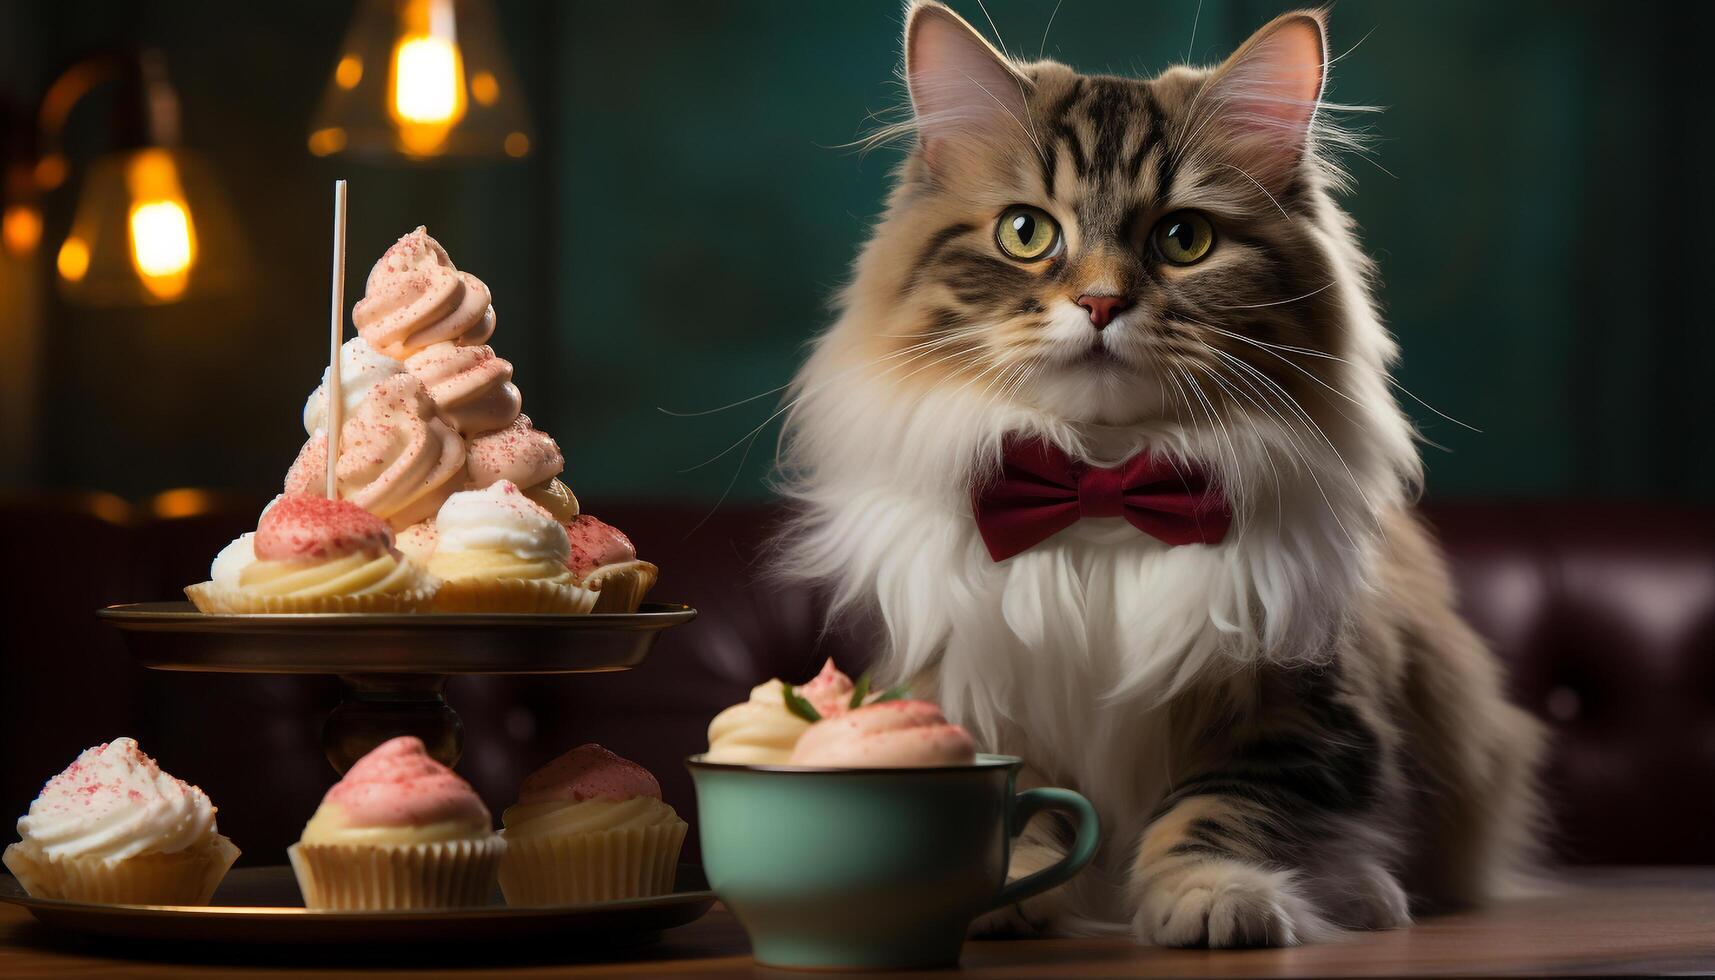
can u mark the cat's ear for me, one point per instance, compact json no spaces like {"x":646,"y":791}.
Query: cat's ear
{"x":1268,"y":91}
{"x":962,"y":89}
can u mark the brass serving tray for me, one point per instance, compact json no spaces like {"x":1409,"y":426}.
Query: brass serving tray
{"x":262,"y":905}
{"x":175,"y":636}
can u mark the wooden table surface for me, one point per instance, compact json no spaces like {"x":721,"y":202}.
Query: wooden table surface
{"x":1607,"y":921}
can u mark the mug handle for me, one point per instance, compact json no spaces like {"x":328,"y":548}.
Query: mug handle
{"x":1031,"y":802}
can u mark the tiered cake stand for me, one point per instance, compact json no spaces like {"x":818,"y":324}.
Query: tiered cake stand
{"x":395,"y":669}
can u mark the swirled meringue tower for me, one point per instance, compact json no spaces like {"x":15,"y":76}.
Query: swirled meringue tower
{"x":421,"y":310}
{"x":431,"y":410}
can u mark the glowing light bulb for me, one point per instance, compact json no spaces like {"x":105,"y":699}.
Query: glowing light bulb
{"x":426,"y":85}
{"x":426,"y":80}
{"x":163,"y":237}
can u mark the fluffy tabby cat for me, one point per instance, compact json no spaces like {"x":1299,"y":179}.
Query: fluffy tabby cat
{"x":1287,"y":732}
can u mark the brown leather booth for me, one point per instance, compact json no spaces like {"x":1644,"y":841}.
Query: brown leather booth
{"x":1605,"y":615}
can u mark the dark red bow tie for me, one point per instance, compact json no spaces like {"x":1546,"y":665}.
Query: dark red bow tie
{"x":1041,"y":491}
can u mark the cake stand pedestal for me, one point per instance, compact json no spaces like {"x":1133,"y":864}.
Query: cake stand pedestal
{"x":394,"y":667}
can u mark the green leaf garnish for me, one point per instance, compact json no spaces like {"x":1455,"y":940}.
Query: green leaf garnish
{"x":860,"y":691}
{"x":796,"y":704}
{"x":892,"y":694}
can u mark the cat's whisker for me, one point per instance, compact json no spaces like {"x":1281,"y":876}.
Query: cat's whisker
{"x":1323,"y":355}
{"x":1311,"y":424}
{"x":730,"y":405}
{"x":1217,"y":428}
{"x":1243,"y":173}
{"x":1236,"y":481}
{"x":921,"y":350}
{"x":1050,"y":26}
{"x":1196,"y":18}
{"x":1281,"y":302}
{"x":1185,"y":146}
{"x":1432,"y":408}
{"x":993,"y":29}
{"x":1268,"y":349}
{"x":973,"y":332}
{"x":1024,"y":125}
{"x":1000,"y":387}
{"x":1310,"y":468}
{"x":1268,"y":454}
{"x":1332,"y":406}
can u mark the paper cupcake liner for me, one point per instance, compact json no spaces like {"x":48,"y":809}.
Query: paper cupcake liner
{"x":512,"y":595}
{"x":621,"y":586}
{"x":211,"y":598}
{"x":187,"y":877}
{"x":441,"y":875}
{"x":573,"y":869}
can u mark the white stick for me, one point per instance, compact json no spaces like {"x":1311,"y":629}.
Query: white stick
{"x":335,"y":397}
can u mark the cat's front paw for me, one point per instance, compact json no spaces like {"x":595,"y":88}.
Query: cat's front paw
{"x":1223,"y":904}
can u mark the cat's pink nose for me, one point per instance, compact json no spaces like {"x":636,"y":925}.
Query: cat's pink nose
{"x":1103,"y":309}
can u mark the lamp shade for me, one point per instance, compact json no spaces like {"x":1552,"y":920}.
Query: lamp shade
{"x":151,"y":225}
{"x":423,"y":79}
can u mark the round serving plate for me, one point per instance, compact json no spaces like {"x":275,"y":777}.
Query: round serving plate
{"x":175,"y":636}
{"x":262,"y":905}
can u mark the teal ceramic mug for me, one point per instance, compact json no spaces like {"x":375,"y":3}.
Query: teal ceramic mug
{"x":872,"y":868}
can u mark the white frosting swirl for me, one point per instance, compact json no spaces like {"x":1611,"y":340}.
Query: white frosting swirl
{"x":115,"y":803}
{"x":360,"y":369}
{"x":233,"y":560}
{"x":759,"y":731}
{"x":500,"y":518}
{"x":238,"y":555}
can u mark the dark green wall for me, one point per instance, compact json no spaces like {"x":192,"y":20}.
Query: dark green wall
{"x":1540,"y":225}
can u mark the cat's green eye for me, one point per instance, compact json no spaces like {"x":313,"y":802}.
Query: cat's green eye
{"x":1027,"y":234}
{"x":1183,"y":237}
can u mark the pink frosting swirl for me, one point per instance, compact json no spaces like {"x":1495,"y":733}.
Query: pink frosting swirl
{"x":300,"y":528}
{"x":594,"y":544}
{"x":518,"y":453}
{"x":398,"y":785}
{"x":415,"y":298}
{"x":473,"y":387}
{"x":588,"y":772}
{"x":830,"y":691}
{"x":397,"y":458}
{"x":903,"y":734}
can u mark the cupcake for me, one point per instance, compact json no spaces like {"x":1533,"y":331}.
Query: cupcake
{"x":314,"y":555}
{"x":114,"y":828}
{"x":400,"y":831}
{"x":589,"y":827}
{"x":764,"y":730}
{"x":497,"y":550}
{"x":603,"y":559}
